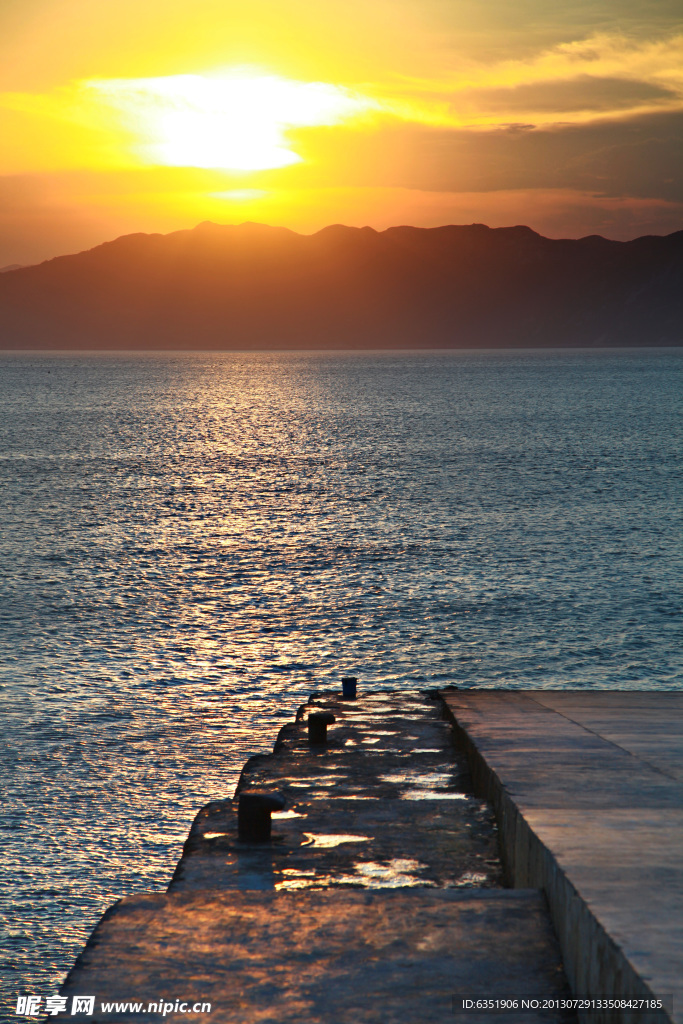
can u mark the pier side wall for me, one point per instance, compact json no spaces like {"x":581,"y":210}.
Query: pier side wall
{"x":594,"y":963}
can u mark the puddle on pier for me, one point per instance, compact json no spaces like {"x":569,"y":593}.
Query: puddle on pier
{"x":328,"y":842}
{"x":375,"y":816}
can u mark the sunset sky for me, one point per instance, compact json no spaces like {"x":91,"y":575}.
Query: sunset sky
{"x":142,"y":115}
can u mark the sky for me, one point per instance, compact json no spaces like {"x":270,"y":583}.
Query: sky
{"x":119,"y":116}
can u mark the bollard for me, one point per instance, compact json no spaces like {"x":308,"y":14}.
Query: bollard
{"x":317,"y":727}
{"x":349,"y":687}
{"x":253,"y":814}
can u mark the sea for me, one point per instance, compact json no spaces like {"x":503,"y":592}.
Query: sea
{"x":191,"y":544}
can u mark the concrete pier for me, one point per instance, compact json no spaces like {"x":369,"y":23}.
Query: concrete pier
{"x":380,"y":895}
{"x":377,"y":899}
{"x":587,"y":790}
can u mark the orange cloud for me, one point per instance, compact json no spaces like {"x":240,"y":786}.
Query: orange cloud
{"x":580,"y":81}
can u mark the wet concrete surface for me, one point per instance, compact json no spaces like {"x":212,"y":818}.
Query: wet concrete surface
{"x":335,"y":957}
{"x":387,"y":803}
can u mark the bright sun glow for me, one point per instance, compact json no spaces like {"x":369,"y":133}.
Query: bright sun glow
{"x":237,"y":121}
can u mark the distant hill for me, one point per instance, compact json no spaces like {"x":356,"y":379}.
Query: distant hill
{"x":257,"y":287}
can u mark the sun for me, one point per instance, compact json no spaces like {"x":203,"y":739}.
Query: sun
{"x":237,"y":121}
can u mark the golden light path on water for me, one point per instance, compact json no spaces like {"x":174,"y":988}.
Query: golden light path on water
{"x":190,"y":545}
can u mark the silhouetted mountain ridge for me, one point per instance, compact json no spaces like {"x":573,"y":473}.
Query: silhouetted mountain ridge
{"x":251,"y":286}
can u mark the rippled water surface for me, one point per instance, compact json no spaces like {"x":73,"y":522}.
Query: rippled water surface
{"x":191,"y":544}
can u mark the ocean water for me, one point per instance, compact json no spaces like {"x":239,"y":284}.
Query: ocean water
{"x":190,"y":545}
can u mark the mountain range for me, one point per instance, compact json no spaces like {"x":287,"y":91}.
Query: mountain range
{"x":251,"y":286}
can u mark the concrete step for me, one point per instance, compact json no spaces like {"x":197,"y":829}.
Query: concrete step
{"x":328,"y":957}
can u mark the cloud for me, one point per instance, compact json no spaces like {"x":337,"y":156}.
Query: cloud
{"x":640,"y":156}
{"x":585,"y":93}
{"x":250,"y":122}
{"x":604,"y":75}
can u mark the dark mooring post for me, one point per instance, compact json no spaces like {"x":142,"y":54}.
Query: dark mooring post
{"x":253,"y":814}
{"x":317,"y":727}
{"x":349,"y":684}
